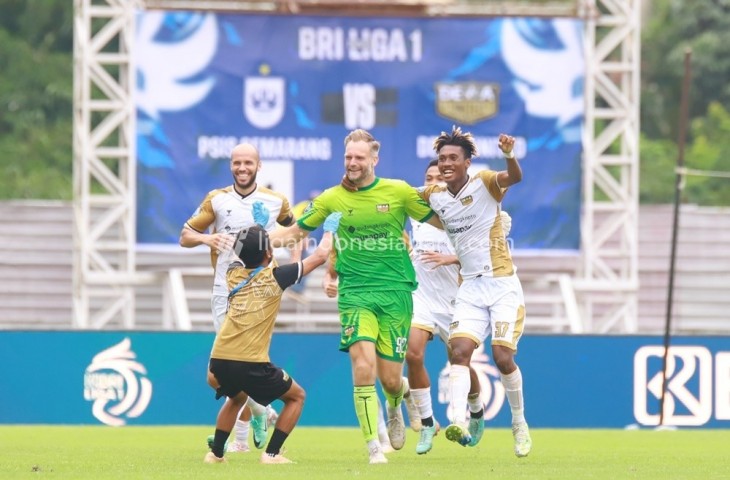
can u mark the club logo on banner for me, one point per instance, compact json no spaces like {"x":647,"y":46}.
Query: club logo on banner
{"x":467,"y":102}
{"x":117,"y":384}
{"x":264,"y":101}
{"x":489,"y":380}
{"x":688,"y":398}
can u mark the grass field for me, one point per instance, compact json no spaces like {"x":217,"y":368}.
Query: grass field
{"x":69,"y":452}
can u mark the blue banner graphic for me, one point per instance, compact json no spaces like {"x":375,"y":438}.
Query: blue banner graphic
{"x":295,"y":86}
{"x":124,"y":378}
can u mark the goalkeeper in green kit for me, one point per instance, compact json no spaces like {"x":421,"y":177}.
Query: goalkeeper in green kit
{"x":376,"y":279}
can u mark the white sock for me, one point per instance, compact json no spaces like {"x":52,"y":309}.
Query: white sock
{"x":256,"y":408}
{"x":459,"y":383}
{"x":422,"y":399}
{"x":242,"y":431}
{"x":475,"y":402}
{"x":513,"y":389}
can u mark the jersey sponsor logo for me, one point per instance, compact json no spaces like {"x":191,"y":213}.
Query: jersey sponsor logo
{"x":349,"y":211}
{"x":467,"y":102}
{"x":489,"y":379}
{"x":688,"y":399}
{"x":467,"y":200}
{"x":463,"y":229}
{"x":117,"y":385}
{"x":383,"y":207}
{"x":263,"y":101}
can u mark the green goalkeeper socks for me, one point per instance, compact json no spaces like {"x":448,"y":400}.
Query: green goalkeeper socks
{"x":366,"y":408}
{"x":394,"y":400}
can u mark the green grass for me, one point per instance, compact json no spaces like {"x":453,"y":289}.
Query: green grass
{"x":71,"y":452}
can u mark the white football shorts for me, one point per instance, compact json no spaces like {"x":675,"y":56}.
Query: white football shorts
{"x":490,"y":305}
{"x":436,"y":323}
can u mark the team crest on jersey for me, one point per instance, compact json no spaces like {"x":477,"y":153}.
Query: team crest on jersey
{"x":467,"y":102}
{"x":467,"y":200}
{"x":383,"y":207}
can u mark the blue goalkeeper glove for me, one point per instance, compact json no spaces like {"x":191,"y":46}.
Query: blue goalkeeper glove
{"x":260,"y":214}
{"x":332,"y":222}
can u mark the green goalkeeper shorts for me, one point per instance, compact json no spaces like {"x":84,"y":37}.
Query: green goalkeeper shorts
{"x":380,"y":317}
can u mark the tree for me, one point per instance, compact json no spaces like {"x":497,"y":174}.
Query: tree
{"x":36,"y":99}
{"x":674,"y":25}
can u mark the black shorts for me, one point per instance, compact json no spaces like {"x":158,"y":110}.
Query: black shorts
{"x":264,"y":382}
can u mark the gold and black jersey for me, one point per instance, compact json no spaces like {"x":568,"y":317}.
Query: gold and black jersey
{"x":249,"y":324}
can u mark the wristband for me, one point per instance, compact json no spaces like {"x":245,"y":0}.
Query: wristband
{"x":510,"y":155}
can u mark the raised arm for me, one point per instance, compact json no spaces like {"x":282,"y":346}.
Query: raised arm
{"x":287,"y":236}
{"x":320,"y":255}
{"x":513,"y":174}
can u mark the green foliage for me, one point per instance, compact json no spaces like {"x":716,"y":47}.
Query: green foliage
{"x":658,"y":162}
{"x":36,"y":100}
{"x":710,"y":151}
{"x":673,"y":27}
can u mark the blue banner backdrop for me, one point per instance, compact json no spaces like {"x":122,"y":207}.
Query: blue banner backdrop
{"x":295,"y":85}
{"x":119,"y":378}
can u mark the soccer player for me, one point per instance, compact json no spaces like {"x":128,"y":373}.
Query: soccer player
{"x":239,"y":366}
{"x":329,"y":285}
{"x":224,"y":212}
{"x":437,"y":272}
{"x":490,"y":298}
{"x":376,"y":280}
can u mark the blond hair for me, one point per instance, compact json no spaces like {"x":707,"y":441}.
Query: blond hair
{"x":361,"y":135}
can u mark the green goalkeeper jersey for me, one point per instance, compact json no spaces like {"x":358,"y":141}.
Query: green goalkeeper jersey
{"x":371,"y":251}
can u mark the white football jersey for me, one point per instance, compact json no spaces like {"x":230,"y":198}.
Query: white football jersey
{"x":473,"y":224}
{"x":436,"y":286}
{"x":225,"y":211}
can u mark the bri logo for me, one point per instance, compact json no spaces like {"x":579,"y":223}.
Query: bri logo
{"x":688,"y":400}
{"x":117,"y":384}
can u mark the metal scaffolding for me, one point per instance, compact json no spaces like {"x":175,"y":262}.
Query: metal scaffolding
{"x":609,"y":278}
{"x":105,"y":273}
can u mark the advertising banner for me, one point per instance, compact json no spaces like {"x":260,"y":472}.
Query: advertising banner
{"x":124,"y":378}
{"x":294,"y":86}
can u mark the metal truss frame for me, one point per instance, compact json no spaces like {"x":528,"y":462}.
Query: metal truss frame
{"x":105,"y":273}
{"x":608,"y":280}
{"x":104,"y":267}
